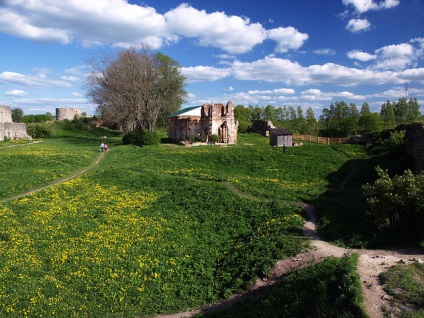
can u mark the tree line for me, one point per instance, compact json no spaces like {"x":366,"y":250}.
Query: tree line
{"x":136,"y":89}
{"x":339,"y":120}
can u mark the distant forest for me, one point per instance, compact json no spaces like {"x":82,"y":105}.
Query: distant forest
{"x":339,"y":120}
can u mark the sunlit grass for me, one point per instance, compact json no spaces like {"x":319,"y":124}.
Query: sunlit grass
{"x":32,"y":165}
{"x":153,"y":229}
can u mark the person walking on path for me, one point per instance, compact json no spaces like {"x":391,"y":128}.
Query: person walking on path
{"x":102,"y":146}
{"x":105,"y":147}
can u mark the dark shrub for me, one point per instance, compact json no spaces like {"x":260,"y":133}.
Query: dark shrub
{"x":214,"y":138}
{"x":141,"y":138}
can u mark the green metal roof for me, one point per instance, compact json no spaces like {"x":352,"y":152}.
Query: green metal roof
{"x":182,"y":111}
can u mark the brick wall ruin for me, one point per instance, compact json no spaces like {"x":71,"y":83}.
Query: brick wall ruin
{"x":219,"y":120}
{"x":67,"y":113}
{"x":214,"y":119}
{"x":8,"y":129}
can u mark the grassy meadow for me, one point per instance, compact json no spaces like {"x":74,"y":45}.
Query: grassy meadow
{"x":156,"y":229}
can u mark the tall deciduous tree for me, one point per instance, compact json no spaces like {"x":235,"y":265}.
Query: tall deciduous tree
{"x":413,"y":113}
{"x":388,"y":115}
{"x":17,"y":114}
{"x":135,"y":87}
{"x":311,"y":122}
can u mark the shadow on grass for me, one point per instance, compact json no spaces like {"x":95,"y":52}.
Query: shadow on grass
{"x":327,"y":289}
{"x":342,"y":209}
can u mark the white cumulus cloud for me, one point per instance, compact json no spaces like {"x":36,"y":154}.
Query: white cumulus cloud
{"x":204,"y":73}
{"x":362,"y":6}
{"x":99,"y":22}
{"x":357,"y":25}
{"x":361,"y":56}
{"x":287,"y":38}
{"x":15,"y":93}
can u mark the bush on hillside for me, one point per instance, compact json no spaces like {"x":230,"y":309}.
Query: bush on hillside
{"x":39,"y":130}
{"x":141,"y":138}
{"x":396,"y":206}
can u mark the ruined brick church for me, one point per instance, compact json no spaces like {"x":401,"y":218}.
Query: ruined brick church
{"x":201,"y":122}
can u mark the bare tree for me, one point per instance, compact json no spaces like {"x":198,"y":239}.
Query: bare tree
{"x":131,"y":89}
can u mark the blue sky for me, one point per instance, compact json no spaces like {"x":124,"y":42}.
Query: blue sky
{"x":305,"y":53}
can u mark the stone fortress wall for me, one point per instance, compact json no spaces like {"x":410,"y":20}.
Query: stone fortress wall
{"x":5,"y":114}
{"x":8,"y":129}
{"x":67,"y":113}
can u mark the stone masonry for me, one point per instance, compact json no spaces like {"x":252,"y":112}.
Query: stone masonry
{"x":67,"y":113}
{"x":8,"y":129}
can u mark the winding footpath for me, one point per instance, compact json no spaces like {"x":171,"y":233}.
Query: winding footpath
{"x":58,"y":181}
{"x":370,"y":265}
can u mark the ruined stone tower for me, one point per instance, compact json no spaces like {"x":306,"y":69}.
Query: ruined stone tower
{"x":5,"y":114}
{"x":67,"y":113}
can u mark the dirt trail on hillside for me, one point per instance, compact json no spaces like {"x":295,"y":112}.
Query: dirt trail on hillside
{"x":69,"y":177}
{"x":370,"y":265}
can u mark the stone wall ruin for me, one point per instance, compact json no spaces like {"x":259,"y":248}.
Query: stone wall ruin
{"x":9,"y":129}
{"x":214,"y":119}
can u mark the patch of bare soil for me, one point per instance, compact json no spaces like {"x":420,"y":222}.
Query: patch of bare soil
{"x":371,"y":264}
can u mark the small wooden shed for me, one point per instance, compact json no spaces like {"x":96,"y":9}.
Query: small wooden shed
{"x":280,"y":137}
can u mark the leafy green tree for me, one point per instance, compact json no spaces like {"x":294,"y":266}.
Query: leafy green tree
{"x":300,"y":122}
{"x":17,"y":114}
{"x":311,"y":122}
{"x":134,"y":88}
{"x":353,"y":111}
{"x":256,"y":113}
{"x":285,"y":113}
{"x":388,"y":115}
{"x":401,"y":111}
{"x":270,"y":113}
{"x":341,"y":110}
{"x":413,"y":113}
{"x":371,"y":122}
{"x":292,"y":113}
{"x":170,"y":94}
{"x":242,"y":115}
{"x":325,"y":121}
{"x":365,"y":109}
{"x":37,"y":118}
{"x":332,"y":120}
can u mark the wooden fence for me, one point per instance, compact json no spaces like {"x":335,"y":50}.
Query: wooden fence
{"x":320,"y":140}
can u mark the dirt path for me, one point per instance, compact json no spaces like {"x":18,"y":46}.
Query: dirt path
{"x":370,"y":265}
{"x":69,"y":177}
